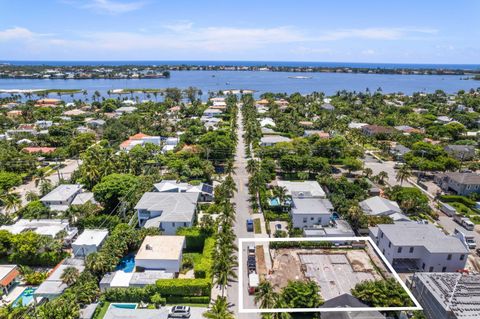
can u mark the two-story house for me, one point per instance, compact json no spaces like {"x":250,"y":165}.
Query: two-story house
{"x":460,"y":183}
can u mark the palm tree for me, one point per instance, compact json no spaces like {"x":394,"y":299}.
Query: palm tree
{"x":223,"y":269}
{"x":266,"y":297}
{"x":403,"y":174}
{"x":367,"y":172}
{"x":382,"y":176}
{"x":280,"y":193}
{"x":70,"y":275}
{"x":252,"y":166}
{"x":31,"y":196}
{"x":219,"y":310}
{"x":10,"y":201}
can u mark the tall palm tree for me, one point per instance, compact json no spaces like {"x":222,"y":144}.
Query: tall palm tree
{"x":70,"y":275}
{"x":219,"y":310}
{"x":367,"y":172}
{"x":403,"y":174}
{"x":10,"y":201}
{"x":266,"y":297}
{"x":382,"y":176}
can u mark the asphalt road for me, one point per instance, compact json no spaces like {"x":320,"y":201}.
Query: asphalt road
{"x":240,"y":200}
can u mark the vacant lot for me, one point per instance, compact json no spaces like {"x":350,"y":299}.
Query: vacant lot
{"x":335,"y":271}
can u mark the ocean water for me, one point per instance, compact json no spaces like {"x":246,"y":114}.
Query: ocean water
{"x":259,"y":81}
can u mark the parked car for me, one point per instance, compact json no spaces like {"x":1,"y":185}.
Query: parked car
{"x":278,"y":226}
{"x":251,"y":250}
{"x":179,"y":312}
{"x":249,"y":225}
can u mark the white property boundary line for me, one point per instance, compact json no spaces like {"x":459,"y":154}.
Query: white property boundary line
{"x":335,"y":239}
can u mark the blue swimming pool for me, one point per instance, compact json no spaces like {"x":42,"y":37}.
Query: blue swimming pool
{"x":127,"y":263}
{"x":25,"y":298}
{"x":124,"y":305}
{"x":274,"y":201}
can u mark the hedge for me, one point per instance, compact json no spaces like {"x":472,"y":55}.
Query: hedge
{"x":183,"y":287}
{"x":194,"y":237}
{"x":197,"y":300}
{"x":271,"y":216}
{"x":456,"y":198}
{"x":300,"y":244}
{"x":203,"y":268}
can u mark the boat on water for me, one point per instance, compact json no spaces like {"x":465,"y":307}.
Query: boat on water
{"x":300,"y":77}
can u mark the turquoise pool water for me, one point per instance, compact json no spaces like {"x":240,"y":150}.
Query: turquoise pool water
{"x":124,"y":305}
{"x":274,"y":201}
{"x":127,"y":263}
{"x":25,"y":298}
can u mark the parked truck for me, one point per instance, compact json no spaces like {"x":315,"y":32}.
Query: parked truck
{"x":464,"y":221}
{"x":447,"y":209}
{"x":253,"y":281}
{"x":468,"y":238}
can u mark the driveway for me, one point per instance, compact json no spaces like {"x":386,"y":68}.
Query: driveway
{"x":65,"y":172}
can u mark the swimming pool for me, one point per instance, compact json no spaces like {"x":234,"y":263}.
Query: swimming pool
{"x":124,"y":305}
{"x":127,"y":263}
{"x":274,"y":201}
{"x":25,"y":298}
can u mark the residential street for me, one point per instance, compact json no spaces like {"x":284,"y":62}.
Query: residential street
{"x":242,"y":209}
{"x":64,"y":172}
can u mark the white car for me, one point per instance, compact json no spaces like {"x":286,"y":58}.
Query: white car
{"x":179,"y":312}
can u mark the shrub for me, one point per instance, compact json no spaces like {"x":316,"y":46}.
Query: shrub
{"x":456,"y":198}
{"x":203,"y":268}
{"x":300,"y":244}
{"x":194,"y":237}
{"x":197,"y":300}
{"x":183,"y":287}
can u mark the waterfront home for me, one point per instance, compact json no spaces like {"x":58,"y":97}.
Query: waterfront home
{"x":171,"y":186}
{"x":459,"y":183}
{"x":89,"y":242}
{"x":417,"y":246}
{"x":379,"y":206}
{"x":167,"y":211}
{"x":161,"y":253}
{"x":271,"y":140}
{"x":8,"y":277}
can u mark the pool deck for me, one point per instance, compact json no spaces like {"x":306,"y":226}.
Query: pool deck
{"x":16,"y":292}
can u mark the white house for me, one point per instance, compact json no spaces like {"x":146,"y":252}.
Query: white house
{"x":172,"y":186}
{"x":302,"y":189}
{"x":47,"y":227}
{"x":61,"y":197}
{"x":416,"y":246}
{"x":309,"y":212}
{"x":379,"y":206}
{"x":89,"y":242}
{"x":125,"y":110}
{"x":267,"y":122}
{"x":271,"y":140}
{"x":161,"y":253}
{"x":210,"y":112}
{"x":167,"y":211}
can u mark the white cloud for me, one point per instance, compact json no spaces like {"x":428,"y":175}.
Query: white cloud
{"x":368,"y":52}
{"x":112,"y":7}
{"x":375,"y":33}
{"x":15,"y":33}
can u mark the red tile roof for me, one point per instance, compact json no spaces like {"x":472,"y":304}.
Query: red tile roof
{"x":9,"y":277}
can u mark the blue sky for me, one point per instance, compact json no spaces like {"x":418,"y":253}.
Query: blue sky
{"x":404,"y":31}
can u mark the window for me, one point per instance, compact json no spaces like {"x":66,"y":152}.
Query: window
{"x":185,"y":224}
{"x":389,"y":244}
{"x":381,"y":235}
{"x":311,"y":218}
{"x":383,"y":251}
{"x":319,"y":219}
{"x":399,"y":250}
{"x":430,"y":269}
{"x":444,"y":269}
{"x":462,"y":257}
{"x":411,"y":249}
{"x":423,"y":266}
{"x":449,"y":257}
{"x":304,"y":219}
{"x":173,"y":224}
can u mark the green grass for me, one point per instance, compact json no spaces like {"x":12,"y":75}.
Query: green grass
{"x":257,"y":226}
{"x":100,"y":312}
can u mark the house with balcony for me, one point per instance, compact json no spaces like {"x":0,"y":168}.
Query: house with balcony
{"x":411,"y":246}
{"x":167,"y":210}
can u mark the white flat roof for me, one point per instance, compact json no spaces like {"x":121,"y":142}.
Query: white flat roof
{"x":307,"y":188}
{"x":62,"y":192}
{"x":121,"y":279}
{"x":91,"y":237}
{"x":161,"y":247}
